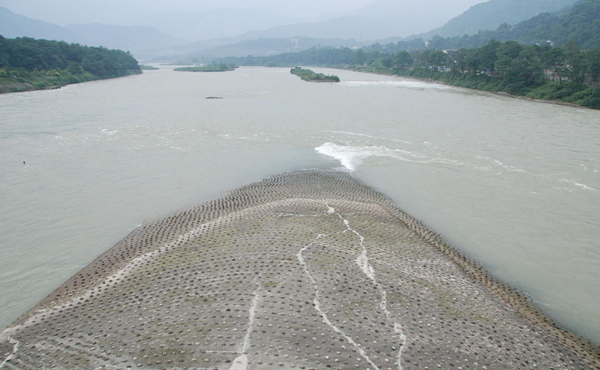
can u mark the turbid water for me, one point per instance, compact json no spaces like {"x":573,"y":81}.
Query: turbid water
{"x":513,"y":184}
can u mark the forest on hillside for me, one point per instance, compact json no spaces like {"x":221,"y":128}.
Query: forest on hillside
{"x":580,"y":23}
{"x":28,"y":64}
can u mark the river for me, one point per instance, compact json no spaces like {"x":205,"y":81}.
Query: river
{"x":512,"y":183}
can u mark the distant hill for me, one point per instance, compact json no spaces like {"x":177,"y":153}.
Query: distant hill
{"x":356,"y":27}
{"x":411,"y":17}
{"x":380,"y":19}
{"x":580,"y":23}
{"x":262,"y":47}
{"x":14,"y":25}
{"x":491,"y":14}
{"x":134,"y":39}
{"x":214,"y":24}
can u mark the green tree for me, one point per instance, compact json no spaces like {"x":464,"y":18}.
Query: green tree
{"x":554,"y":60}
{"x":488,"y":56}
{"x":576,"y":63}
{"x":593,"y":66}
{"x":404,"y":59}
{"x":461,"y":59}
{"x":438,"y":60}
{"x":387,"y":61}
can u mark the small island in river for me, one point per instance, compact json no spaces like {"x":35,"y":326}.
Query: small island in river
{"x":222,"y":67}
{"x":308,"y":75}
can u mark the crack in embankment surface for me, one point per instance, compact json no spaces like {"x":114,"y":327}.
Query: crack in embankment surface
{"x":318,"y":305}
{"x":363,"y":262}
{"x":241,"y":362}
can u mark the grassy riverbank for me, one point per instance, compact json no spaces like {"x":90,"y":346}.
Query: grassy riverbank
{"x":565,"y":92}
{"x":21,"y":80}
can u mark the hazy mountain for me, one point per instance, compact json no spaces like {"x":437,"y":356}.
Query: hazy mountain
{"x":575,"y":23}
{"x":214,"y":24}
{"x":412,"y":17}
{"x":356,"y":27}
{"x":263,"y":47}
{"x":493,"y":13}
{"x":133,"y":38}
{"x":14,"y":25}
{"x":380,"y":19}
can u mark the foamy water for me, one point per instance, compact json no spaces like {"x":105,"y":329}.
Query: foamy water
{"x":352,"y":156}
{"x":410,"y":84}
{"x":513,"y":184}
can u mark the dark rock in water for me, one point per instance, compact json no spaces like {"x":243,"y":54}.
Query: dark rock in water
{"x":214,"y":97}
{"x":307,"y":270}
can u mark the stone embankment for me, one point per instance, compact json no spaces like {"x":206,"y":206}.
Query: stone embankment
{"x":307,"y":270}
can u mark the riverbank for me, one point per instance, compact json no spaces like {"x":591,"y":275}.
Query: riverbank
{"x":32,"y":81}
{"x":208,"y":68}
{"x":309,"y":269}
{"x":30,"y":64}
{"x":567,"y":94}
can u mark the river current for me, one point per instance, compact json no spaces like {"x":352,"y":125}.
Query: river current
{"x":512,"y":183}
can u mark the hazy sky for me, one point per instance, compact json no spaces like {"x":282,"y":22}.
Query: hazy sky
{"x":125,"y":12}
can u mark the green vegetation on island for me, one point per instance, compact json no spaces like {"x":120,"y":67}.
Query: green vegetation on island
{"x":30,"y":64}
{"x":221,"y":67}
{"x":148,"y":68}
{"x":308,"y":75}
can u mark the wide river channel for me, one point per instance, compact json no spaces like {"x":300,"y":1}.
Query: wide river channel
{"x":514,"y":184}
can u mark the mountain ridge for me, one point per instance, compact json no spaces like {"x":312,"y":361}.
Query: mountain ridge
{"x":213,"y":24}
{"x":491,"y":14}
{"x":14,"y":25}
{"x":131,"y":38}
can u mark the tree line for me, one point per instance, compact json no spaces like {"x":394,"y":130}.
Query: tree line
{"x":44,"y":62}
{"x":568,"y":73}
{"x":514,"y":63}
{"x":511,"y":61}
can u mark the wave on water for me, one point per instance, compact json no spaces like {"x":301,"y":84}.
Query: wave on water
{"x":405,"y":84}
{"x":580,"y":185}
{"x":352,"y":156}
{"x":370,"y":136}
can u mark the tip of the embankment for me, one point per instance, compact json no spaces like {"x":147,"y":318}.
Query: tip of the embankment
{"x":310,"y":270}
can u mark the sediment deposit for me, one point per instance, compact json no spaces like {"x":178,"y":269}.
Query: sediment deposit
{"x":306,"y":270}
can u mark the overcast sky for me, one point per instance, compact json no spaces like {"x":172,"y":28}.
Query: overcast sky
{"x":125,"y":12}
